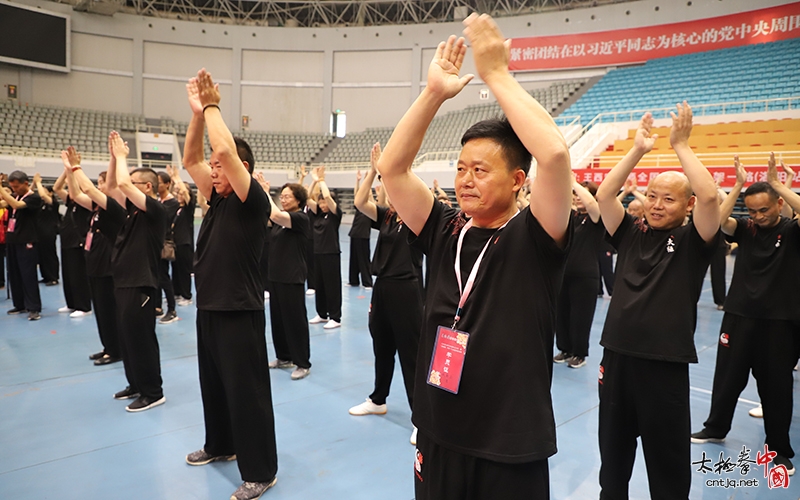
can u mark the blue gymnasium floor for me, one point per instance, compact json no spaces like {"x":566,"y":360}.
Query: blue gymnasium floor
{"x":62,"y":436}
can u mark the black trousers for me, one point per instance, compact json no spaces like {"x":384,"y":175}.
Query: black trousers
{"x":48,"y":257}
{"x":105,"y":313}
{"x":165,"y":284}
{"x":76,"y":282}
{"x":359,"y":262}
{"x":311,"y":278}
{"x":2,"y":264}
{"x":443,"y":474}
{"x":718,"y":274}
{"x":235,"y":386}
{"x":136,"y":313}
{"x":647,"y":398}
{"x":769,"y":348}
{"x":182,"y":271}
{"x":22,"y":259}
{"x":287,"y":311}
{"x":328,"y":282}
{"x":605,"y":260}
{"x":576,"y":306}
{"x":395,"y":318}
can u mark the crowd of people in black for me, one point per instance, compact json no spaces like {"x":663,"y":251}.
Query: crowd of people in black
{"x":515,"y":269}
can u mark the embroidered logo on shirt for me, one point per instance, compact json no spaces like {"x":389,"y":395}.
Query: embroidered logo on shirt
{"x":724,"y":339}
{"x":778,"y":243}
{"x":671,"y":244}
{"x":600,"y":375}
{"x":418,"y":464}
{"x":458,"y":222}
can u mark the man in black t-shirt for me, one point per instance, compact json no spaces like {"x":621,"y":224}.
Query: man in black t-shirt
{"x":135,"y":258}
{"x":359,"y":246}
{"x":184,"y":238}
{"x":761,"y":326}
{"x":47,"y":223}
{"x":231,"y":345}
{"x":648,"y":337}
{"x":482,"y":393}
{"x":21,"y":239}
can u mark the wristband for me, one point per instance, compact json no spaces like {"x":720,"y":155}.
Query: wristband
{"x":209,"y":106}
{"x":76,"y":167}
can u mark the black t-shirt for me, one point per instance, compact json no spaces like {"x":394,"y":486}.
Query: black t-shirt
{"x":287,"y":250}
{"x":582,"y":258}
{"x":48,"y":220}
{"x":660,"y":274}
{"x":24,"y":220}
{"x":326,"y":230}
{"x":766,"y":272}
{"x":361,"y":226}
{"x":104,"y":227}
{"x":503,"y":411}
{"x":74,"y":225}
{"x":137,"y":250}
{"x":229,"y":245}
{"x":171,"y":205}
{"x":394,"y":258}
{"x":184,"y":223}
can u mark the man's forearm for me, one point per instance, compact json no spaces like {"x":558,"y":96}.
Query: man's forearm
{"x":616,"y":178}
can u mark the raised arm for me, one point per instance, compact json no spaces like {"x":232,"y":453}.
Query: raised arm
{"x":326,"y":193}
{"x":410,"y":196}
{"x":72,"y":163}
{"x":551,"y":194}
{"x":312,"y":190}
{"x":786,"y":210}
{"x":706,"y":210}
{"x":276,"y":215}
{"x":87,"y":186}
{"x":221,"y":138}
{"x":728,"y":223}
{"x":10,"y":201}
{"x":124,"y":181}
{"x":43,"y":192}
{"x":184,"y":197}
{"x":193,"y":155}
{"x":611,"y":208}
{"x":363,"y":199}
{"x":789,"y":197}
{"x":588,"y":201}
{"x":60,"y":187}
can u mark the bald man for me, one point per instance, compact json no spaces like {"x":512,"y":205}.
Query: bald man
{"x":648,"y":338}
{"x":635,"y":209}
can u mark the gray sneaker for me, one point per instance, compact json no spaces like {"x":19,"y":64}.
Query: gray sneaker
{"x":202,"y":457}
{"x":299,"y":373}
{"x":280,"y":363}
{"x":252,"y":491}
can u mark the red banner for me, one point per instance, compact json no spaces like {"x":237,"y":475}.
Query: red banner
{"x":725,"y":175}
{"x":637,"y":45}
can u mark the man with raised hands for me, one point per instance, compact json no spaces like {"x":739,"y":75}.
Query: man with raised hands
{"x":135,"y":258}
{"x":482,"y":395}
{"x":761,"y":326}
{"x":648,"y":338}
{"x":231,"y":345}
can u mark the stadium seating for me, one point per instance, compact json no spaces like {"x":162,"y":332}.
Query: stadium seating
{"x":752,"y":72}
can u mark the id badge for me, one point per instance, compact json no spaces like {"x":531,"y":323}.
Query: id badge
{"x":87,"y":245}
{"x":11,"y":224}
{"x":447,"y":362}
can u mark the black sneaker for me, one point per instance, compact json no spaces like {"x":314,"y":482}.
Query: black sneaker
{"x":126,"y":393}
{"x":561,"y":357}
{"x":143,"y":403}
{"x":576,"y":362}
{"x":781,"y":460}
{"x":106,"y":360}
{"x":202,"y":457}
{"x":159,"y":312}
{"x":51,"y":283}
{"x":703,"y":437}
{"x":17,"y":310}
{"x":34,"y":316}
{"x":97,"y":355}
{"x":170,"y":317}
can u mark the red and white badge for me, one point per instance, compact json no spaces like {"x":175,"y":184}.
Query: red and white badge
{"x":447,"y":362}
{"x":87,"y":245}
{"x":11,"y":225}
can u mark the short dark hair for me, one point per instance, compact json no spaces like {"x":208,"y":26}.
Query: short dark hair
{"x":245,"y":153}
{"x":500,"y":131}
{"x":164,"y":177}
{"x":149,"y":174}
{"x":762,"y":187}
{"x":298,"y":191}
{"x":18,"y":176}
{"x":590,"y":186}
{"x":102,"y":175}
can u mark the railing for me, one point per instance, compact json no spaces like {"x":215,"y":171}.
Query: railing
{"x":708,"y":159}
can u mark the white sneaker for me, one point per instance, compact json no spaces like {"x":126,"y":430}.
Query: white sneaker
{"x":299,"y":373}
{"x":757,"y":412}
{"x":331,"y":324}
{"x":317,"y":319}
{"x":79,"y":314}
{"x":65,"y":309}
{"x":368,"y":408}
{"x":266,"y":296}
{"x":413,"y":439}
{"x":183,"y":302}
{"x":310,"y":291}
